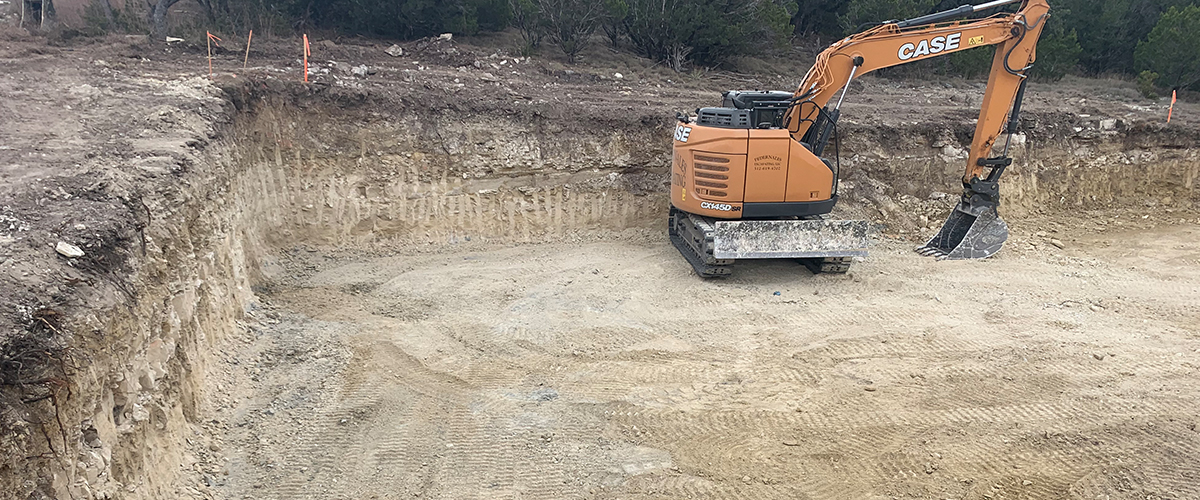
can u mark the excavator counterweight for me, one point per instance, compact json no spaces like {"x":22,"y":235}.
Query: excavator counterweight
{"x":756,"y":177}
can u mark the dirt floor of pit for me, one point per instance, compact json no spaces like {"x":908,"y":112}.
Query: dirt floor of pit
{"x":608,"y":370}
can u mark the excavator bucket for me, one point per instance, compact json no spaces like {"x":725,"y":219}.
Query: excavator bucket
{"x":967,"y":235}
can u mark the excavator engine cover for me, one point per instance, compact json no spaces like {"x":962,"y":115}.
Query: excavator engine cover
{"x":969,"y":233}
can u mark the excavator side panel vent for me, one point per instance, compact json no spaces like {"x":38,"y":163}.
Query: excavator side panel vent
{"x":708,"y":174}
{"x":718,"y":176}
{"x":724,"y":117}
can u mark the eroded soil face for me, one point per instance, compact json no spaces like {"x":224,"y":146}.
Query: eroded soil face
{"x":608,"y":370}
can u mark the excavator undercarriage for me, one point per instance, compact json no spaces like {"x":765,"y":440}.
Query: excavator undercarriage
{"x":712,"y":245}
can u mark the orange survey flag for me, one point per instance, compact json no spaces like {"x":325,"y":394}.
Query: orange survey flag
{"x":1172,"y":108}
{"x":306,"y":54}
{"x":248,"y":39}
{"x":212,"y":40}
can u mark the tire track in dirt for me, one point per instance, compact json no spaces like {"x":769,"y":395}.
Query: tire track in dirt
{"x":552,"y":380}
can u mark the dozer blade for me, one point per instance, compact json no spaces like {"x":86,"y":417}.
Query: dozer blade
{"x":968,"y":236}
{"x":781,"y":239}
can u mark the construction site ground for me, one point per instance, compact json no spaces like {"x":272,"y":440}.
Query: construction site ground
{"x":608,"y":370}
{"x":592,"y":363}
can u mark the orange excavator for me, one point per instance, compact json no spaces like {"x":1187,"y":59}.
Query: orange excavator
{"x":751,"y":179}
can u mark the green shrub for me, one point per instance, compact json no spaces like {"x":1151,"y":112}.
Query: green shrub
{"x":404,"y":18}
{"x":971,"y":63}
{"x":615,"y":12}
{"x":860,"y":13}
{"x":99,"y":17}
{"x":817,"y":17}
{"x":707,"y":32}
{"x":571,"y":23}
{"x":527,"y":18}
{"x":1145,"y":84}
{"x":1057,"y":52}
{"x":1172,"y":49}
{"x":1109,"y":30}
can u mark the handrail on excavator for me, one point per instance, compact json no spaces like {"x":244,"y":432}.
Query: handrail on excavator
{"x":960,"y":11}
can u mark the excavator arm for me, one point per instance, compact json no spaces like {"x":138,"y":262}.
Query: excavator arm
{"x":897,"y":43}
{"x":810,"y":119}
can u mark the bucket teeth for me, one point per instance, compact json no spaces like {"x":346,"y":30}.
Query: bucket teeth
{"x":930,"y":251}
{"x":967,"y":235}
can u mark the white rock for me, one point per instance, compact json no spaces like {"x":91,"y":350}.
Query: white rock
{"x":360,"y":71}
{"x":1108,"y":124}
{"x":618,"y":76}
{"x":953,"y":152}
{"x":394,"y":51}
{"x":68,"y":250}
{"x":446,"y":36}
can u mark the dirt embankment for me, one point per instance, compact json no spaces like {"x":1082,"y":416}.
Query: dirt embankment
{"x":181,"y":194}
{"x":104,"y":354}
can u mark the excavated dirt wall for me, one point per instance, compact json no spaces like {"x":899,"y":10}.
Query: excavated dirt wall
{"x":142,"y":312}
{"x":435,"y":177}
{"x":1061,"y":163}
{"x":297,"y":168}
{"x":361,"y":175}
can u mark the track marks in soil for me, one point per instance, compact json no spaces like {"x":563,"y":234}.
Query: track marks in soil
{"x":608,"y":371}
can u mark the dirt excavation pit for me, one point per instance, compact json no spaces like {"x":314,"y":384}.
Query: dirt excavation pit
{"x":608,"y":370}
{"x":386,"y":288}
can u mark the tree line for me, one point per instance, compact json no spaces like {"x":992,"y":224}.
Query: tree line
{"x":1155,"y":41}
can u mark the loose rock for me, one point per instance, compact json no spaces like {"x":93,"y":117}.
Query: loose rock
{"x":68,"y":250}
{"x":394,"y":51}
